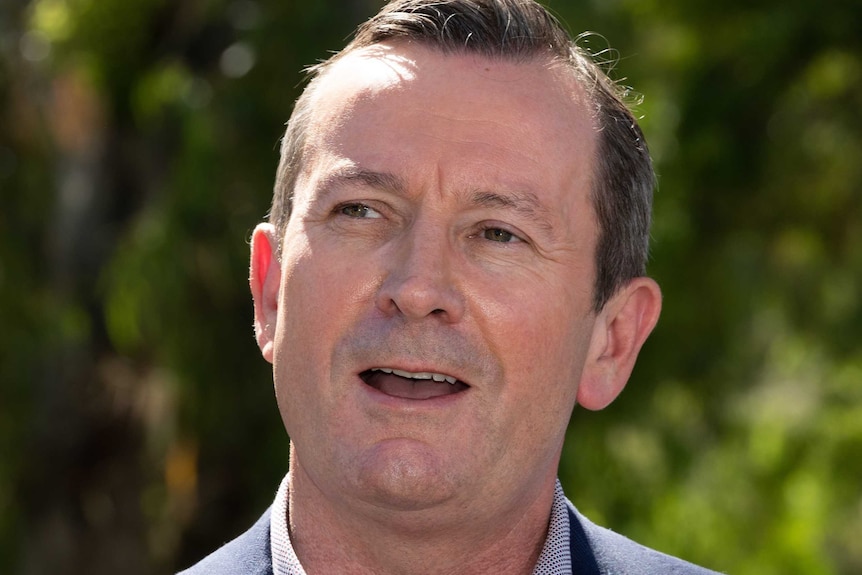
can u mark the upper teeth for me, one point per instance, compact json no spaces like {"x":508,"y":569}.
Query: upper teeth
{"x":418,"y":375}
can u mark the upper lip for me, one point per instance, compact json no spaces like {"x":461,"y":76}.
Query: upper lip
{"x":415,"y":349}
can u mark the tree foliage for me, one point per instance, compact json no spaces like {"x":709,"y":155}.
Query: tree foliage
{"x":138,"y":145}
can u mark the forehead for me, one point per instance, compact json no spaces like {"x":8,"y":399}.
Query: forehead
{"x":542,"y":84}
{"x":406,"y":104}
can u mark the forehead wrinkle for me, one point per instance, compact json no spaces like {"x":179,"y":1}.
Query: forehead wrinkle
{"x":524,"y":203}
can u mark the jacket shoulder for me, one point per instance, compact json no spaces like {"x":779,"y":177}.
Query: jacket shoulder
{"x":248,"y":554}
{"x":616,"y":554}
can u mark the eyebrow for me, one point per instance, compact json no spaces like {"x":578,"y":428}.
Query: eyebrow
{"x":353,"y":176}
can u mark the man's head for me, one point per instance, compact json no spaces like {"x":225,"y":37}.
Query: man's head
{"x":433,"y":319}
{"x":515,"y":31}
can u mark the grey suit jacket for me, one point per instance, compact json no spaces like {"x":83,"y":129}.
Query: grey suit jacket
{"x":595,"y":551}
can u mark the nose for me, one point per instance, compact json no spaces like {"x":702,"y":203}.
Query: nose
{"x":420,"y":281}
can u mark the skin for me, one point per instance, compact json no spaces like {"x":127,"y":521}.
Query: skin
{"x":441,"y":223}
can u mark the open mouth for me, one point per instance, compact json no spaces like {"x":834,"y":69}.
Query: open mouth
{"x":412,"y":385}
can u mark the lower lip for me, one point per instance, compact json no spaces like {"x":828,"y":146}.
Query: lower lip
{"x":407,"y":404}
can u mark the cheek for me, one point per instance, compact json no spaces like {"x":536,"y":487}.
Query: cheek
{"x":323,"y":295}
{"x":536,"y":327}
{"x":318,"y":290}
{"x":300,"y":358}
{"x":543,"y":347}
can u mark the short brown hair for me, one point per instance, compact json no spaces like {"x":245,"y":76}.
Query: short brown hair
{"x":516,"y":30}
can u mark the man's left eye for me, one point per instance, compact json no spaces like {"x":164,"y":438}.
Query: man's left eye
{"x":358,"y":211}
{"x":499,"y":235}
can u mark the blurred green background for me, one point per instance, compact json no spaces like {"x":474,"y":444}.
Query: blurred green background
{"x":138,"y":145}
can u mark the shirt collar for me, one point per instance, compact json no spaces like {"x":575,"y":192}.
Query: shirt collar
{"x":555,"y":558}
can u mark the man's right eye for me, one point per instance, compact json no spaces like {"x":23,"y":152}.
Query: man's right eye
{"x":358,"y":211}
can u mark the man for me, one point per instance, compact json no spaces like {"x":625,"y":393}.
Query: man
{"x":455,"y":258}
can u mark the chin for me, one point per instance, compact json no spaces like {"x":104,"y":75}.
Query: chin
{"x":405,"y":475}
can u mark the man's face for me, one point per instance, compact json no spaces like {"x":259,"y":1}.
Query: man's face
{"x":441,"y":225}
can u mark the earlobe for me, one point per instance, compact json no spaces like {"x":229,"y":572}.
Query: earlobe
{"x":621,"y":329}
{"x":264,"y":281}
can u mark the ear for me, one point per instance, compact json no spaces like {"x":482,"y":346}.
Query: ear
{"x":264,"y":280}
{"x":620,"y":330}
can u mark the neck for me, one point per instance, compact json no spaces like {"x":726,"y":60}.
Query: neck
{"x":331,"y":536}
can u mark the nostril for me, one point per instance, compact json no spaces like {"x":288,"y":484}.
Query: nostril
{"x":419,"y":296}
